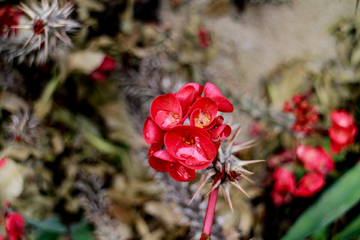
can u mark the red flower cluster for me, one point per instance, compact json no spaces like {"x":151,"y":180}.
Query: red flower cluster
{"x":100,"y":74}
{"x":306,"y":115}
{"x":14,"y":225}
{"x":316,"y":161}
{"x":343,"y":130}
{"x":188,"y":147}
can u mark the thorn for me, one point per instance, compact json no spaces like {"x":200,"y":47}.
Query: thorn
{"x":32,"y":36}
{"x":246,"y":178}
{"x":213,"y":187}
{"x":27,"y":10}
{"x":44,"y":4}
{"x":244,"y":163}
{"x":227,"y":167}
{"x":240,"y":162}
{"x":244,"y":145}
{"x":221,"y":155}
{"x":237,"y":185}
{"x":23,"y":27}
{"x":46,"y":42}
{"x":208,"y":176}
{"x":230,"y":143}
{"x":40,"y":41}
{"x":226,"y":194}
{"x":219,"y":166}
{"x":242,"y":170}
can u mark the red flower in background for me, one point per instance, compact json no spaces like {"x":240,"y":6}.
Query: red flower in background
{"x":343,"y":130}
{"x":9,"y":17}
{"x":101,"y":73}
{"x":284,"y":186}
{"x":310,"y":184}
{"x":315,"y":159}
{"x":188,"y":148}
{"x":15,"y":225}
{"x":306,"y":116}
{"x":284,"y":180}
{"x":3,"y":161}
{"x":204,"y":38}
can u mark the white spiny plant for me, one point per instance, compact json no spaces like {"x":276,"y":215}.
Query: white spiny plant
{"x":49,"y":25}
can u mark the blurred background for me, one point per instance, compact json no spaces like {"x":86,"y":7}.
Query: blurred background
{"x":76,"y":83}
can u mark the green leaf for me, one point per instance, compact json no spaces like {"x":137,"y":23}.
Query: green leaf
{"x":351,"y":230}
{"x":51,"y":225}
{"x":333,"y":203}
{"x":41,"y":235}
{"x":81,"y":231}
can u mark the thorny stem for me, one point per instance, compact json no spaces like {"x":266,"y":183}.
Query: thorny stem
{"x":209,"y":216}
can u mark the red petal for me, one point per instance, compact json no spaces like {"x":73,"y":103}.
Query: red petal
{"x":191,"y":146}
{"x":341,"y":118}
{"x":335,"y":148}
{"x":160,"y":159}
{"x":310,"y":184}
{"x":203,"y":112}
{"x":166,"y":111}
{"x":198,"y":88}
{"x":98,"y":76}
{"x":338,"y":135}
{"x":15,"y":225}
{"x":219,"y":134}
{"x":152,"y":133}
{"x":180,"y":173}
{"x":186,"y":97}
{"x":211,"y":91}
{"x":3,"y":162}
{"x":107,"y":65}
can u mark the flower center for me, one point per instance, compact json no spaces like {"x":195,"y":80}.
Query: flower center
{"x":38,"y":26}
{"x":175,"y":118}
{"x":188,"y":140}
{"x":202,"y":120}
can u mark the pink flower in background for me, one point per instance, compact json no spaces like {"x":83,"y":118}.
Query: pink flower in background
{"x":315,"y":159}
{"x":15,"y":225}
{"x":343,"y":130}
{"x":310,"y":184}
